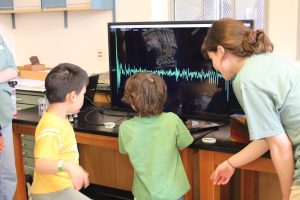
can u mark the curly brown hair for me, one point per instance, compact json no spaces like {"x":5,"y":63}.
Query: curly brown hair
{"x":146,"y":93}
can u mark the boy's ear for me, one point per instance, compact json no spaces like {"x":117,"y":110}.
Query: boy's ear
{"x":71,"y":96}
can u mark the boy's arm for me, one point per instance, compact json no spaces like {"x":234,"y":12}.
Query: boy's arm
{"x":76,"y":172}
{"x":282,"y":156}
{"x":184,"y":137}
{"x":122,"y":149}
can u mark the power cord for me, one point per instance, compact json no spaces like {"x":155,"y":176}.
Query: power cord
{"x":86,"y":117}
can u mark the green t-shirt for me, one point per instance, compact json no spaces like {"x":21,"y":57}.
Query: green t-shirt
{"x":152,"y":144}
{"x":268,"y":89}
{"x":6,"y":107}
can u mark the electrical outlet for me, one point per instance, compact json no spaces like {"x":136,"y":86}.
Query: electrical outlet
{"x":101,"y":54}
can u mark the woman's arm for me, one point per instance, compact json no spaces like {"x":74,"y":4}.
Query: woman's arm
{"x":225,"y":170}
{"x":8,"y":74}
{"x":282,"y":156}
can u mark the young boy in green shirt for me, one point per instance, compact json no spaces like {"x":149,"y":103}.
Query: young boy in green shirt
{"x":152,"y":140}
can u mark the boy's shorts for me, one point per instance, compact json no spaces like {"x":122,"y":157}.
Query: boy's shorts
{"x":64,"y":194}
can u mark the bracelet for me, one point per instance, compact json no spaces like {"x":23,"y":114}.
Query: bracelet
{"x":59,"y":165}
{"x":229,"y":163}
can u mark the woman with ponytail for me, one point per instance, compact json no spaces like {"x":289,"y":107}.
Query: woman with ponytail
{"x":267,"y":87}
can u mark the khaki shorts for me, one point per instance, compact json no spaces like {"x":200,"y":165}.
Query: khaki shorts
{"x":295,"y":193}
{"x":64,"y":194}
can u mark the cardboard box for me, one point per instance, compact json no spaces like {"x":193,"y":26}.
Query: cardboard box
{"x":37,"y":67}
{"x":37,"y":75}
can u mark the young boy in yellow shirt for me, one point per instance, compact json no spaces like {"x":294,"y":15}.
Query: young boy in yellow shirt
{"x":58,"y":174}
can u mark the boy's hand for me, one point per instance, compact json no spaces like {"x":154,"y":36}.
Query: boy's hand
{"x":222,"y":174}
{"x":1,"y":144}
{"x":80,"y":177}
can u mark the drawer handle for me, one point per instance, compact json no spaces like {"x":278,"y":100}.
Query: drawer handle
{"x":19,"y":99}
{"x":19,"y":108}
{"x":22,"y":135}
{"x":23,"y":145}
{"x":24,"y":153}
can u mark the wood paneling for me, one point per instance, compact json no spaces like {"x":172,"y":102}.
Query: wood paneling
{"x":124,"y":172}
{"x":99,"y":163}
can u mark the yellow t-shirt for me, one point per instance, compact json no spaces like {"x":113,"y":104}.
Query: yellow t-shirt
{"x":54,"y":140}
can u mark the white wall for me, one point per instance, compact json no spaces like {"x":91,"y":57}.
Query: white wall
{"x":133,"y":10}
{"x":161,"y":10}
{"x":43,"y":35}
{"x":282,"y":26}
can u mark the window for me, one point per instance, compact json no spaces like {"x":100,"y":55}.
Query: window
{"x":185,"y":10}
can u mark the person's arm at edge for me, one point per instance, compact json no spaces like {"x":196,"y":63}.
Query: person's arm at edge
{"x":250,"y":153}
{"x":281,"y":151}
{"x":8,"y":74}
{"x":78,"y":175}
{"x":225,"y":170}
{"x":280,"y":148}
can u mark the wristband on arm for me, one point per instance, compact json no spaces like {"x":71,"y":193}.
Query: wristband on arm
{"x":229,"y":163}
{"x":59,"y":165}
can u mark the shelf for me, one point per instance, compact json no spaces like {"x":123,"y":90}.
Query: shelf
{"x":31,"y":6}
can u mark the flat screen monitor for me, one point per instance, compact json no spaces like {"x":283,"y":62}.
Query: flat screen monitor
{"x":173,"y":51}
{"x":90,"y":91}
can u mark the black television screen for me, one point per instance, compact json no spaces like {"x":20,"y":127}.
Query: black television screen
{"x":173,"y":51}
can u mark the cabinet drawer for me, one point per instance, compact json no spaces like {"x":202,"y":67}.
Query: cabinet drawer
{"x":6,"y":5}
{"x":27,"y":137}
{"x":28,"y":99}
{"x":53,"y":4}
{"x":29,"y":170}
{"x":29,"y":162}
{"x":28,"y":153}
{"x":28,"y":144}
{"x":23,"y":106}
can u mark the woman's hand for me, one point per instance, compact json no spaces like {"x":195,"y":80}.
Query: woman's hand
{"x":222,"y":173}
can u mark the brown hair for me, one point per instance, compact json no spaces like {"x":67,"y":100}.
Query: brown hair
{"x":64,"y":79}
{"x":146,"y":92}
{"x":236,"y":38}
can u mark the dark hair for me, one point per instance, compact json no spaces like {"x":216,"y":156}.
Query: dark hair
{"x":236,"y":38}
{"x":146,"y":92}
{"x":64,"y":79}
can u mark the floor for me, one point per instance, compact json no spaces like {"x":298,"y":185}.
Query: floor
{"x":97,"y":192}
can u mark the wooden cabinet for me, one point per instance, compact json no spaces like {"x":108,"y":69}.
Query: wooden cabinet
{"x":27,"y":99}
{"x":6,"y":6}
{"x":65,"y":5}
{"x":22,"y":6}
{"x":28,"y":156}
